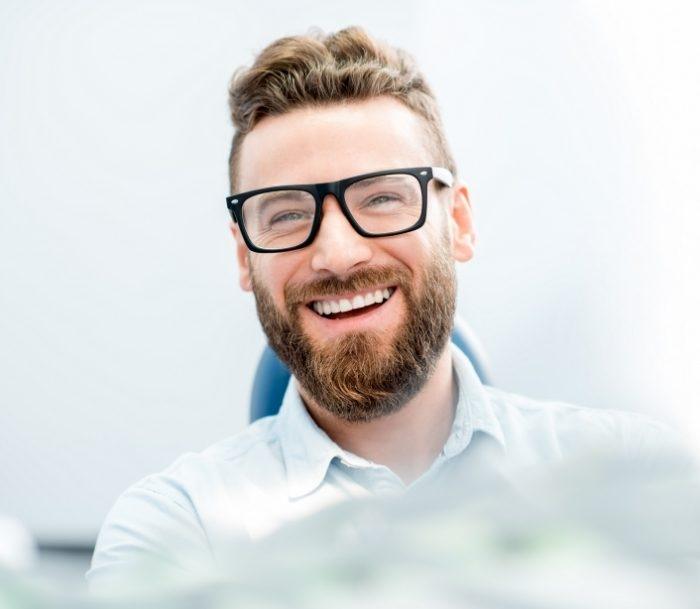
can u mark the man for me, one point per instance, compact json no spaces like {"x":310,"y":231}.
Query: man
{"x":348,"y":215}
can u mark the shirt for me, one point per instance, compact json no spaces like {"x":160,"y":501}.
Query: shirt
{"x":284,"y":467}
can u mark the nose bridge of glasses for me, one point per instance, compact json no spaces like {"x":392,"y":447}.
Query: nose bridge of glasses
{"x":331,"y":188}
{"x":330,"y":198}
{"x":334,"y":189}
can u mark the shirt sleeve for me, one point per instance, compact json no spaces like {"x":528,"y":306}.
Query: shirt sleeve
{"x":152,"y":533}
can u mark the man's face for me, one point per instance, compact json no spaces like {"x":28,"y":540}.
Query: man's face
{"x":366,"y":362}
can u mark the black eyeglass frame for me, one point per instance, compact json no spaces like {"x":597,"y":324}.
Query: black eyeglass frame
{"x":337,"y":189}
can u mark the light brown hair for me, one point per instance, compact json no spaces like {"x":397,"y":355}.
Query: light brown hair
{"x":319,"y":69}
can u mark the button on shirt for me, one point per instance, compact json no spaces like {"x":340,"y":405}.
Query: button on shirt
{"x":284,"y":467}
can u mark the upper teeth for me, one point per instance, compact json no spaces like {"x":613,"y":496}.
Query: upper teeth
{"x":326,"y":307}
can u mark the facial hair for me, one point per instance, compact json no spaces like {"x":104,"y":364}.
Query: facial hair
{"x":355,"y":377}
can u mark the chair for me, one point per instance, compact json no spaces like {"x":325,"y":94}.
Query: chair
{"x":272,"y":376}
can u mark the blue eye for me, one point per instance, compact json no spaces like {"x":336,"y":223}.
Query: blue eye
{"x":387,"y":201}
{"x":381,"y":199}
{"x":289,"y":216}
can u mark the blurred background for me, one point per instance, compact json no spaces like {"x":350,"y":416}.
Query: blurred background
{"x":124,"y":338}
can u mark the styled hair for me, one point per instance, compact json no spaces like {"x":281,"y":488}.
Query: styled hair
{"x":320,"y":69}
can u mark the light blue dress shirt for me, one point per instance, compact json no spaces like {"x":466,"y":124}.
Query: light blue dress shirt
{"x":284,"y":467}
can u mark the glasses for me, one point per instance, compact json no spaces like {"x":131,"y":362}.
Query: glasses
{"x":379,"y":204}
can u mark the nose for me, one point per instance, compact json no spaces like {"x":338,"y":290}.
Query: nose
{"x":338,"y":248}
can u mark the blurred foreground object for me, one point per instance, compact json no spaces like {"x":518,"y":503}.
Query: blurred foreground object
{"x":601,"y":531}
{"x":17,"y":551}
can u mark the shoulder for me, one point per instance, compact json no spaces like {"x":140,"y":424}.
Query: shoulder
{"x":556,"y":428}
{"x":257,"y":445}
{"x":169,"y":517}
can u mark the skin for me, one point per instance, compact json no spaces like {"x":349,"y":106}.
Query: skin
{"x":330,"y":143}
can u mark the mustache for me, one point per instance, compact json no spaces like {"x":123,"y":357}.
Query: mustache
{"x":297,"y":294}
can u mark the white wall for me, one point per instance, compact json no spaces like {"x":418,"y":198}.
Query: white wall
{"x":124,"y":340}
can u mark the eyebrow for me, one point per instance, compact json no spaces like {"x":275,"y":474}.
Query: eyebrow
{"x":276,"y":195}
{"x":366,"y":182}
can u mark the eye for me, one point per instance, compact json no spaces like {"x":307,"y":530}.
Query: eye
{"x":289,"y":216}
{"x":383,"y":201}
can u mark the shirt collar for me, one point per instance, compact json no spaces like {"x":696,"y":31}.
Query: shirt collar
{"x":474,"y":412}
{"x":308,"y":450}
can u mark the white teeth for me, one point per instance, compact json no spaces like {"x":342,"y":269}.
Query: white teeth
{"x":326,"y":307}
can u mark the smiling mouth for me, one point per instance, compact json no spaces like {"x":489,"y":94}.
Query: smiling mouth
{"x":360,"y":303}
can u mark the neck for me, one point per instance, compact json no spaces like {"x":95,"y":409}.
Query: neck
{"x":406,"y":441}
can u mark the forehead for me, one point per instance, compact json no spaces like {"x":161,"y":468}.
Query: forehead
{"x":326,"y":143}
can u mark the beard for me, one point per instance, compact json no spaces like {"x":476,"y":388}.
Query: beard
{"x":355,"y":377}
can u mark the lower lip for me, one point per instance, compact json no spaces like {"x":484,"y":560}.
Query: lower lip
{"x":373,"y":318}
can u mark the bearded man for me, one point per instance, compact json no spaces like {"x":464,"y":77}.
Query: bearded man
{"x":348,"y":216}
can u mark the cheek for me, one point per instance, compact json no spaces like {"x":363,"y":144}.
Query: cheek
{"x":420,"y":247}
{"x":412,"y":249}
{"x":437,"y":224}
{"x":437,"y":214}
{"x":277,"y":271}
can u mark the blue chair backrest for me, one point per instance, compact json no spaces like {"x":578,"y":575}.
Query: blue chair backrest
{"x":272,"y":376}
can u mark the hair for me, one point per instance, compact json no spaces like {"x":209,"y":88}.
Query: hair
{"x":320,"y":69}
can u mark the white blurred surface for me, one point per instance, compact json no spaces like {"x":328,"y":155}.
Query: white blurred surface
{"x":124,"y":340}
{"x":17,"y":551}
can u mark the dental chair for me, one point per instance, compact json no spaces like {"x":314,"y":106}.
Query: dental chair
{"x":272,"y":376}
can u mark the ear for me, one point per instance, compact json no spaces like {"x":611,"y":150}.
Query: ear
{"x":242,"y":255}
{"x":461,"y":223}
